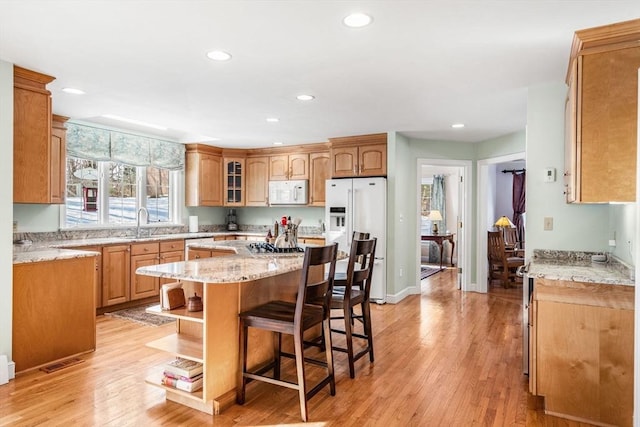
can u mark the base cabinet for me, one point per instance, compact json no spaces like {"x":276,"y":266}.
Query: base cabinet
{"x":53,"y":311}
{"x":582,"y":350}
{"x":121,"y":284}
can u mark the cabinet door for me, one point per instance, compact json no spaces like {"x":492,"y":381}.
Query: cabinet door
{"x":570,"y":139}
{"x":31,"y":138}
{"x":372,"y":160}
{"x":257,"y":181}
{"x":58,"y":154}
{"x":344,"y":161}
{"x":279,"y":168}
{"x":203,"y":179}
{"x":166,"y":257}
{"x":234,"y":182}
{"x":143,"y":286}
{"x":319,"y":171}
{"x":115,"y":274}
{"x":608,"y":116}
{"x":98,"y":272}
{"x":298,"y":166}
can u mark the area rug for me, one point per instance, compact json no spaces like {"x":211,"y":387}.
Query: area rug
{"x":426,"y":271}
{"x":139,"y":315}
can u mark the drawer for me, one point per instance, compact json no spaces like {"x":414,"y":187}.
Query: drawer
{"x":145,"y":248}
{"x":172,"y":245}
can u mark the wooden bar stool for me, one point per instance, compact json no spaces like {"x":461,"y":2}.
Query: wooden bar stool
{"x":310,"y":309}
{"x":355,"y":291}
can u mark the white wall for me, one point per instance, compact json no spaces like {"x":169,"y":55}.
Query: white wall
{"x":6,"y":207}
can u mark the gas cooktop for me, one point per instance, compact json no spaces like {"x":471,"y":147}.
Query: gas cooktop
{"x":271,"y":248}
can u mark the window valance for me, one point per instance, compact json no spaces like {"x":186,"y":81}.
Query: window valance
{"x":88,"y":142}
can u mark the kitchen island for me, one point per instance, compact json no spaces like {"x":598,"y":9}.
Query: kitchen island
{"x":581,"y":334}
{"x":228,"y":285}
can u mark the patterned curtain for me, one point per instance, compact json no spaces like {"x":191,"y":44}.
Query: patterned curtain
{"x":438,"y":202}
{"x":92,"y":143}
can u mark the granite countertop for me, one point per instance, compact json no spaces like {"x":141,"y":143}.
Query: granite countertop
{"x":240,"y":266}
{"x":52,"y":250}
{"x":578,"y":267}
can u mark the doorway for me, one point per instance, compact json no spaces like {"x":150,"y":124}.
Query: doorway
{"x":456,"y":175}
{"x":491,"y":206}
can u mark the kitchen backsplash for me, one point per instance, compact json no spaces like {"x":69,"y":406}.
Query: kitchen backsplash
{"x":80,"y":234}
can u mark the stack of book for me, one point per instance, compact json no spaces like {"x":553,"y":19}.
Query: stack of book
{"x":183,"y":374}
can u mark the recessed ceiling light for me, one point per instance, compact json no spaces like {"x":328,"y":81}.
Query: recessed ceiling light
{"x":277,"y":143}
{"x":73,"y":91}
{"x":219,"y":55}
{"x":357,"y":20}
{"x":457,"y":125}
{"x":273,"y":119}
{"x":132,"y":121}
{"x":305,"y":97}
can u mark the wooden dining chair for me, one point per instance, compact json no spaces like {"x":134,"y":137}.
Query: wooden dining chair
{"x":310,"y":310}
{"x":511,"y":239}
{"x":356,"y":292}
{"x":502,"y":265}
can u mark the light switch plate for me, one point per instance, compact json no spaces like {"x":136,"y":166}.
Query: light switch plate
{"x":548,"y":223}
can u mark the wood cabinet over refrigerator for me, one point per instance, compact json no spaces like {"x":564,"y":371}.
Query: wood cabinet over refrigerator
{"x":359,"y":156}
{"x":39,"y":150}
{"x":602,"y":114}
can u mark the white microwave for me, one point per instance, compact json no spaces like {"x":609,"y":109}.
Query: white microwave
{"x":294,"y":192}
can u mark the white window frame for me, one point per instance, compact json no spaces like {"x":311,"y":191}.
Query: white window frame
{"x":176,"y":183}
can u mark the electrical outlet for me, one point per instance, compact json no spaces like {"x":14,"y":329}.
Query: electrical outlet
{"x":548,"y":223}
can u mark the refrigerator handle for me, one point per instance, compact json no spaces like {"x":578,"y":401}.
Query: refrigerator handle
{"x":349,"y":218}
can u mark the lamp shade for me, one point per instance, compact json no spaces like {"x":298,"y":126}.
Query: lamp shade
{"x":503,"y":221}
{"x":435,"y":215}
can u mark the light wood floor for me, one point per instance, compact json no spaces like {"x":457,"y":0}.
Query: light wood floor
{"x":443,"y":358}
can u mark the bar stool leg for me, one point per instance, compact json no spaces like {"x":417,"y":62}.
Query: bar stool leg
{"x":366,"y":319}
{"x":302,"y":384}
{"x":277,"y":344}
{"x":348,"y":318}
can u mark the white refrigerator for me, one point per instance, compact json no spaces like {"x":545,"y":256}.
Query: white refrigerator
{"x":359,"y":204}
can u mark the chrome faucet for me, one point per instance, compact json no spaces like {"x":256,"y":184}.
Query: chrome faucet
{"x":142,"y":209}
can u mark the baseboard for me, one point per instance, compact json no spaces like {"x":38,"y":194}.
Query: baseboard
{"x":12,"y":370}
{"x":396,"y":298}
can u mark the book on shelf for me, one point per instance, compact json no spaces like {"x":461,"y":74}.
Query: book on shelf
{"x":182,"y":377}
{"x":183,"y":367}
{"x":189,"y":386}
{"x":171,"y":296}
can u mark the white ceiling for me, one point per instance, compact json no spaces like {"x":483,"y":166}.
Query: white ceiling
{"x":421,"y":65}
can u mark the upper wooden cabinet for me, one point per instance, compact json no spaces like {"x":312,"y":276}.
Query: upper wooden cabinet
{"x":354,"y":156}
{"x":38,"y":150}
{"x":319,"y":172}
{"x":234,"y":181}
{"x":601,"y":114}
{"x":257,"y":181}
{"x":203,"y":175}
{"x":289,"y":166}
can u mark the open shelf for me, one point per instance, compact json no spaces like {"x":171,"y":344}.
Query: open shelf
{"x":181,"y":345}
{"x":177,"y":313}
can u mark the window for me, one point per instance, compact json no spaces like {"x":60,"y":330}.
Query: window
{"x":112,"y":174}
{"x":110,"y":193}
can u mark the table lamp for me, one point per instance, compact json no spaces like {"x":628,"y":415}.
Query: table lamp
{"x":502,"y":223}
{"x":434,"y":216}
